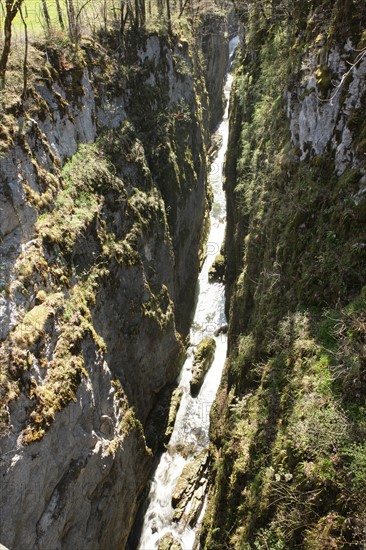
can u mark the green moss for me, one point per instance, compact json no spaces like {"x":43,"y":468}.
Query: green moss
{"x":78,"y":202}
{"x":7,"y":126}
{"x":323,"y":77}
{"x":33,"y":324}
{"x":66,"y":370}
{"x":173,"y":410}
{"x":217,"y":270}
{"x":160,"y":308}
{"x":167,"y":542}
{"x":288,"y":424}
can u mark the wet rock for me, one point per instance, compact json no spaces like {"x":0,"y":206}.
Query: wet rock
{"x":203,"y":357}
{"x":221,"y":330}
{"x":168,"y":542}
{"x":189,"y":493}
{"x":160,"y":423}
{"x":216,"y":142}
{"x":217,"y":270}
{"x":184,"y":449}
{"x":173,"y":410}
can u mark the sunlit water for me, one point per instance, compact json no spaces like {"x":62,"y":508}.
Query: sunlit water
{"x":191,"y":429}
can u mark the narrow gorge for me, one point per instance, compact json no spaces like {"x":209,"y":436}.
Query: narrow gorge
{"x":182,"y":305}
{"x":105,"y":207}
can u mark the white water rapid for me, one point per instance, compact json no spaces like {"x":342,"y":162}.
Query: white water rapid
{"x":191,"y":429}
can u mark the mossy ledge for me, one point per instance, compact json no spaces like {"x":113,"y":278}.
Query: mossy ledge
{"x":202,"y":360}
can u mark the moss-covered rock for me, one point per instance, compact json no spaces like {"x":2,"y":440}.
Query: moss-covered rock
{"x":216,"y":272}
{"x":168,"y":542}
{"x":173,"y":410}
{"x":160,"y":422}
{"x":189,"y":493}
{"x":202,"y":360}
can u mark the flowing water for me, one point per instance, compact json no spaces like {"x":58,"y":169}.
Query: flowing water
{"x":191,"y":429}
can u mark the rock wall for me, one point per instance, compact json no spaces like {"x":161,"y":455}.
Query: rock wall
{"x":103,"y":197}
{"x":215,"y":48}
{"x":288,"y":422}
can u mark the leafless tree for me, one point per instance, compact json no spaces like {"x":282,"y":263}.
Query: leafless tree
{"x":46,"y":14}
{"x":25,"y":60}
{"x":59,"y":15}
{"x":12,"y":8}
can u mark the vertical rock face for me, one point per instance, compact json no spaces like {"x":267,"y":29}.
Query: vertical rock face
{"x":288,"y":424}
{"x":215,"y":48}
{"x":174,"y":127}
{"x":103,"y":197}
{"x":319,"y":117}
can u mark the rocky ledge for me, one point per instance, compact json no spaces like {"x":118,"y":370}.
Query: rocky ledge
{"x":168,"y":542}
{"x":203,"y":357}
{"x":189,"y":492}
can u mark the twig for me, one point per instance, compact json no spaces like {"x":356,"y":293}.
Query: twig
{"x":353,"y":65}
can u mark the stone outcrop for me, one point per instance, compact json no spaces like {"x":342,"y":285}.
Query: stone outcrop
{"x":202,"y":360}
{"x":168,"y":543}
{"x":189,"y":493}
{"x":160,"y":423}
{"x":173,"y":410}
{"x":319,"y":123}
{"x":217,"y":270}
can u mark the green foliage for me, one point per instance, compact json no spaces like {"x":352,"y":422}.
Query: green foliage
{"x":356,"y":470}
{"x":84,"y":177}
{"x":317,"y":427}
{"x":289,"y":451}
{"x":289,"y":444}
{"x":160,"y":308}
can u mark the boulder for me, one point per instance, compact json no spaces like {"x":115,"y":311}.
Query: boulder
{"x":203,"y":357}
{"x":216,"y":273}
{"x":189,"y":493}
{"x":168,"y":542}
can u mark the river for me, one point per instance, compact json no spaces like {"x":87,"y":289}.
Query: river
{"x":191,"y":430}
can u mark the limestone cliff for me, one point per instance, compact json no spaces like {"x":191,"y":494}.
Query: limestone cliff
{"x":103,"y":201}
{"x":215,"y":49}
{"x":288,"y":425}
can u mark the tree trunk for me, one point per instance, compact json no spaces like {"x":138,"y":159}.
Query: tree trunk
{"x":25,"y":61}
{"x":169,"y":16}
{"x":105,"y":15}
{"x":59,"y":14}
{"x":160,"y":7}
{"x":137,"y":14}
{"x":7,"y":43}
{"x":73,"y":30}
{"x":142,"y":13}
{"x":122,"y":20}
{"x":45,"y":13}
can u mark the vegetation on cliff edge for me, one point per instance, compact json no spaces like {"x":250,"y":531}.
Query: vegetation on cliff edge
{"x":289,"y":423}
